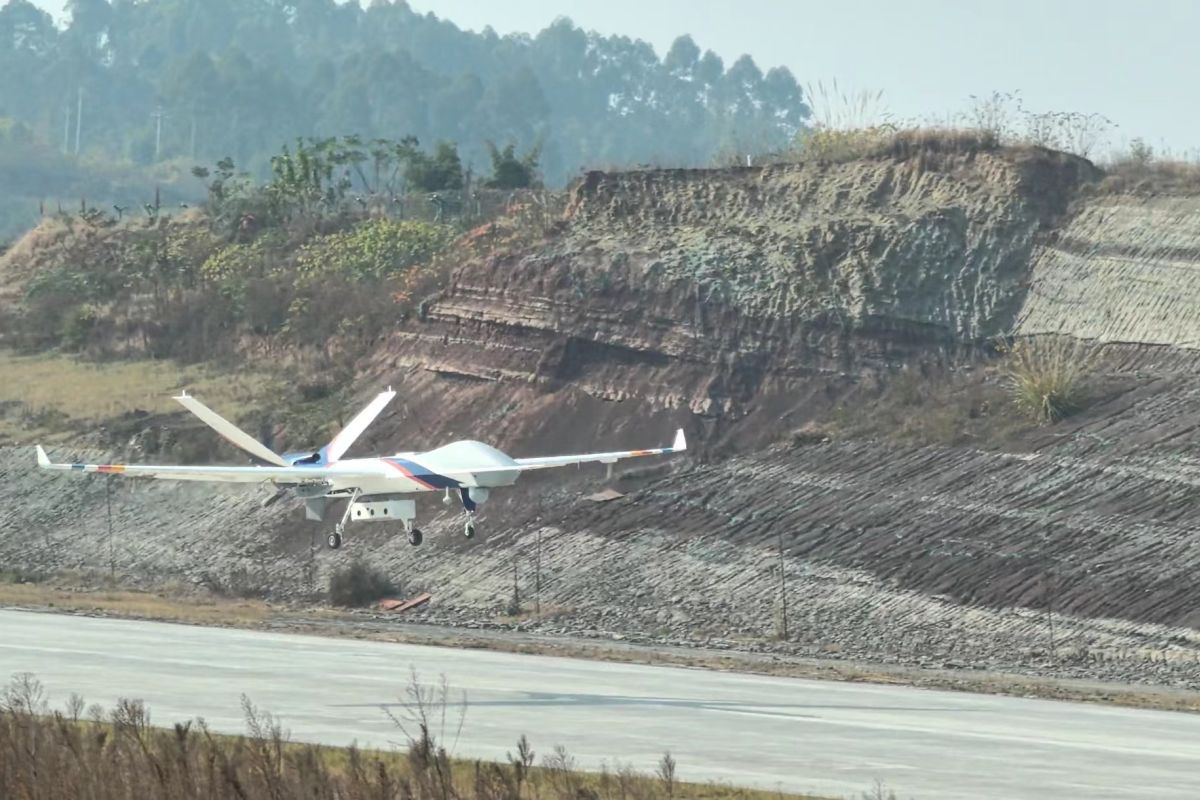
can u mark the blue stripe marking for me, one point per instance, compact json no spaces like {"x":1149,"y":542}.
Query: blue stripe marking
{"x":79,"y":467}
{"x":423,"y":473}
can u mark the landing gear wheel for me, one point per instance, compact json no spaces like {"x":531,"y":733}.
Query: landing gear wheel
{"x":335,"y":540}
{"x":415,"y":537}
{"x":469,"y":530}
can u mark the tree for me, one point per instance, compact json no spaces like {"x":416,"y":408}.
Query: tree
{"x":510,"y":172}
{"x":682,"y":58}
{"x":243,"y":77}
{"x":439,"y":173}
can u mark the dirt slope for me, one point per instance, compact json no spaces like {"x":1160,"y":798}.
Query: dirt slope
{"x":847,"y":301}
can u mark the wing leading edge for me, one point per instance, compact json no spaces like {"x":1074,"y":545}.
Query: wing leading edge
{"x":185,"y":473}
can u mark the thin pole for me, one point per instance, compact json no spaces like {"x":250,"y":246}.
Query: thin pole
{"x":1050,"y":611}
{"x":78,"y":119}
{"x":782,"y":589}
{"x":112,"y":559}
{"x":537,"y":573}
{"x":67,"y":130}
{"x":158,"y":118}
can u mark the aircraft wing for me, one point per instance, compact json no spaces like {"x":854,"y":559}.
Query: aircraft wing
{"x":287,"y":475}
{"x":229,"y":431}
{"x":347,"y":436}
{"x":545,"y":462}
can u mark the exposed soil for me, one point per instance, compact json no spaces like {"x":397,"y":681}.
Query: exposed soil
{"x":822,"y":333}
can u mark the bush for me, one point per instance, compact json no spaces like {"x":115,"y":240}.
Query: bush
{"x":376,"y":249}
{"x":1046,"y":376}
{"x":359,"y":584}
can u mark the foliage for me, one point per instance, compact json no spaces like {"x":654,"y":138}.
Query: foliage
{"x":1047,"y":376}
{"x":511,"y":172}
{"x":193,"y":81}
{"x":1142,"y":170}
{"x":376,"y":249}
{"x":443,"y":171}
{"x":190,"y":287}
{"x":846,"y":124}
{"x":359,"y":584}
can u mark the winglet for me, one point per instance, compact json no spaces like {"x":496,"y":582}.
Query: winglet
{"x":43,"y":459}
{"x":680,"y":442}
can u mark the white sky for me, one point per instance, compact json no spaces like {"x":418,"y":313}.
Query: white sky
{"x":1134,"y":62}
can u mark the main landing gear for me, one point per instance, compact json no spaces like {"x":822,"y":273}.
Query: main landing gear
{"x":335,"y":539}
{"x":396,"y":508}
{"x":470,"y":504}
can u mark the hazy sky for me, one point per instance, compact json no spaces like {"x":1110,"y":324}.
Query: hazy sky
{"x":1134,"y":62}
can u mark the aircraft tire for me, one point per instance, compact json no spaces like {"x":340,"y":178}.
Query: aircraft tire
{"x":334,"y":541}
{"x":470,"y":530}
{"x":415,"y":537}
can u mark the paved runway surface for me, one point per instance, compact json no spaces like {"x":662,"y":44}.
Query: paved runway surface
{"x":829,"y":738}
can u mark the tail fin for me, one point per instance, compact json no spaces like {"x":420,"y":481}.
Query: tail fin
{"x":338,"y":446}
{"x":43,"y":460}
{"x":680,"y":442}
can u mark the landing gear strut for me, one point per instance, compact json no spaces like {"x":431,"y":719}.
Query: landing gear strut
{"x":335,"y":539}
{"x":469,"y":529}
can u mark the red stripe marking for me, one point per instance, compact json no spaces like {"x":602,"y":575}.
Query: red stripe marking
{"x":406,"y":472}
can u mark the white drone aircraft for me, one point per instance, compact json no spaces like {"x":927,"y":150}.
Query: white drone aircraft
{"x":374,"y":486}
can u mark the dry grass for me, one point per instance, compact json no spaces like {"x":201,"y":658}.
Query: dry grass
{"x":1047,"y":375}
{"x":1150,"y":176}
{"x":44,"y":395}
{"x":117,"y":755}
{"x":137,"y":605}
{"x":909,"y":142}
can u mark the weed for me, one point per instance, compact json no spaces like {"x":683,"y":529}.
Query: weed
{"x":1046,"y":376}
{"x":359,"y":584}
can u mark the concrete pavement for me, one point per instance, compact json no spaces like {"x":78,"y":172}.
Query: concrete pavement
{"x":823,"y":737}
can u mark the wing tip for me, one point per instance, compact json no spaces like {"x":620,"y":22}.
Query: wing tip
{"x":43,"y":460}
{"x":680,"y":442}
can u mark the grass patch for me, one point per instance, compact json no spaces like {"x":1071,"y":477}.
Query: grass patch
{"x":1147,"y":175}
{"x":1047,"y":375}
{"x":133,"y":604}
{"x":118,"y":754}
{"x":51,"y":395}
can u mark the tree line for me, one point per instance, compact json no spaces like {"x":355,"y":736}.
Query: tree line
{"x":199,"y":80}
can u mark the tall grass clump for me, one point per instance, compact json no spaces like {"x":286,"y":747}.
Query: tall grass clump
{"x":845,"y":124}
{"x":1047,"y":376}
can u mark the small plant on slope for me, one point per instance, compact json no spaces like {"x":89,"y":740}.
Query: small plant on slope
{"x":1046,"y":376}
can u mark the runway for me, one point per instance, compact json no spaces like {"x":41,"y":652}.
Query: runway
{"x":827,"y":738}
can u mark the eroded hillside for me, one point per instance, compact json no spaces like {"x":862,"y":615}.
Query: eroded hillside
{"x":822,"y":332}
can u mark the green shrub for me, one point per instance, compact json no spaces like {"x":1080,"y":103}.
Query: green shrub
{"x":359,"y":584}
{"x":376,"y":249}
